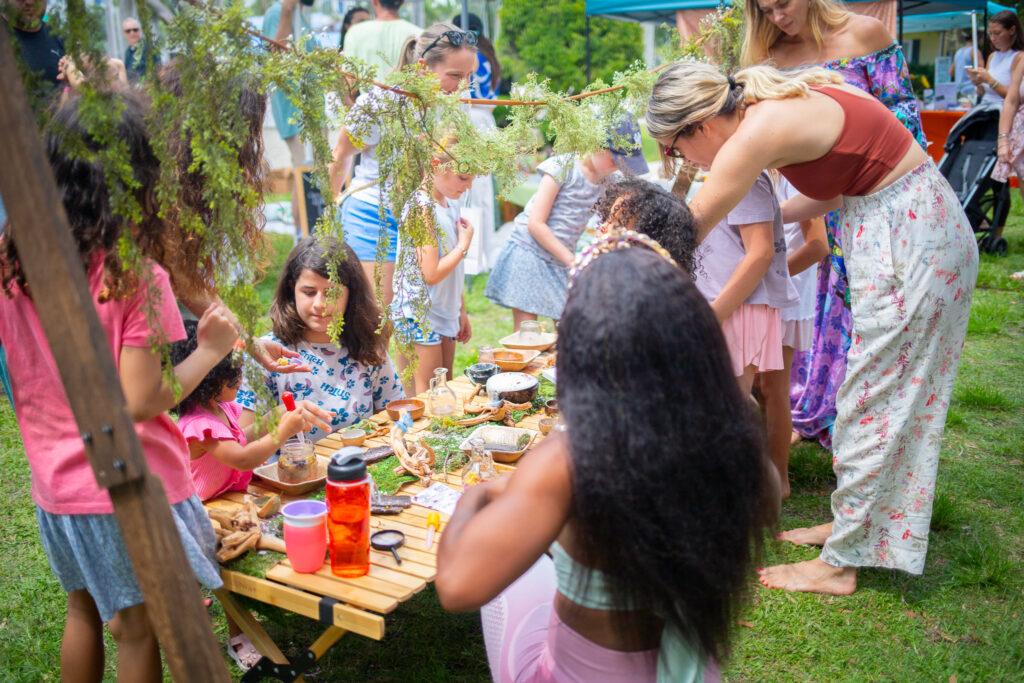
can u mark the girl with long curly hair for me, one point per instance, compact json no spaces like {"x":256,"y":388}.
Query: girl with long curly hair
{"x":77,"y":527}
{"x":640,"y":585}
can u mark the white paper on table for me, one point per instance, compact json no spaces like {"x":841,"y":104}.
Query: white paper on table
{"x":438,"y":497}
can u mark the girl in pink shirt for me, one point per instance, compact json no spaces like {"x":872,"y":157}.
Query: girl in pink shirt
{"x":222,"y":455}
{"x":77,"y":527}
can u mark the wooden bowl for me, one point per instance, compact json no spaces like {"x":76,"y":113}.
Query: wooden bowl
{"x":546,"y":424}
{"x":353,"y":437}
{"x":513,"y":361}
{"x":551,"y":406}
{"x":414,"y":406}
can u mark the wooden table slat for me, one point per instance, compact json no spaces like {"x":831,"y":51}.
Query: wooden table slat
{"x":392,"y":574}
{"x":355,"y":592}
{"x":416,"y":562}
{"x":346,"y":617}
{"x":411,"y":530}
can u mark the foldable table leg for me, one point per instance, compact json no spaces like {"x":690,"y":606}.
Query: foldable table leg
{"x":327,"y":640}
{"x":266,"y":646}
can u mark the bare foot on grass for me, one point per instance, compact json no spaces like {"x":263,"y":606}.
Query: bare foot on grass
{"x":795,"y":438}
{"x":815,"y":535}
{"x":812,"y":576}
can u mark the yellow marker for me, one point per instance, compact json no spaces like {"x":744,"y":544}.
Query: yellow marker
{"x":433,"y":522}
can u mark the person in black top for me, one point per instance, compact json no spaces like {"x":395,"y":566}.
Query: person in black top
{"x":41,"y":51}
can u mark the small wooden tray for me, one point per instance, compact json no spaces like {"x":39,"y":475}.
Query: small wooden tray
{"x":268,"y":473}
{"x":513,"y":341}
{"x":511,"y":364}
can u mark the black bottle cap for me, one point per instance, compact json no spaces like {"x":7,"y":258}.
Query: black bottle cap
{"x":347,"y":464}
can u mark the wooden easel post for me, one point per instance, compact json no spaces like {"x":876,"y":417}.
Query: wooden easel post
{"x":300,"y":192}
{"x":53,"y":268}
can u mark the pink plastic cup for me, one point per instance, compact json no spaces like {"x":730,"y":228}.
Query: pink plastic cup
{"x":305,"y":534}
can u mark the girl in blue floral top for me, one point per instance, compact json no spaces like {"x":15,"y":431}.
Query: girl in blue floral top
{"x":352,"y":375}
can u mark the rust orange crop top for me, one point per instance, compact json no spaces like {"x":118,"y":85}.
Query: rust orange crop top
{"x":869,"y":146}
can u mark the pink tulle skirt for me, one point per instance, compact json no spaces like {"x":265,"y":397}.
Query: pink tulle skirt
{"x":753,"y":334}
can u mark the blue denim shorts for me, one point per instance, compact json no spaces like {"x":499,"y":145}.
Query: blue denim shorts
{"x":411,"y":332}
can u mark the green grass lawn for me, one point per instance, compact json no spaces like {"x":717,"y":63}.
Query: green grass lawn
{"x":961,"y":621}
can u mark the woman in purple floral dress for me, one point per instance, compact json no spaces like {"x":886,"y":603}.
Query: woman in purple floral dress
{"x":790,"y":34}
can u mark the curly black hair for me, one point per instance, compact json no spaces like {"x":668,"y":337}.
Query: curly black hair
{"x":82,"y":181}
{"x":647,"y":392}
{"x":225,"y":373}
{"x":647,"y":208}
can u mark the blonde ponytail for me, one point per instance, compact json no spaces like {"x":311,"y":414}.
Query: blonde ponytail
{"x":408,"y":54}
{"x":766,"y":83}
{"x":688,"y":93}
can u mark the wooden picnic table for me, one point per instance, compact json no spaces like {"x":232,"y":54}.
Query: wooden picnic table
{"x":357,"y":605}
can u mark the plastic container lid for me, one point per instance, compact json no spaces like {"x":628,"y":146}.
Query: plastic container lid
{"x":347,"y":464}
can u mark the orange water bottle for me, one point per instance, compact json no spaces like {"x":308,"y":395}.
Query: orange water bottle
{"x":348,"y":513}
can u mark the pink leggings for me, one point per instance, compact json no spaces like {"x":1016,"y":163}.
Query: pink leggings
{"x":527,"y":641}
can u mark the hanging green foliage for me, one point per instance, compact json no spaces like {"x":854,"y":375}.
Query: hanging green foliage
{"x":206,"y":132}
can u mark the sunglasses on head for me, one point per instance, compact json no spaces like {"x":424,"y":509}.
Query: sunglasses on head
{"x":456,"y":38}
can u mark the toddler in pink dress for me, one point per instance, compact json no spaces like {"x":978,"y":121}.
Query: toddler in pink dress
{"x":223,"y":454}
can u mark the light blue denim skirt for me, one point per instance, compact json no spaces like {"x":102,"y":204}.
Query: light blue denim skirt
{"x":524,"y":280}
{"x":88,"y":552}
{"x":361,"y":222}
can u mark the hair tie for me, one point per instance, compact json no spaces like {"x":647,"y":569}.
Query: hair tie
{"x":732,"y":83}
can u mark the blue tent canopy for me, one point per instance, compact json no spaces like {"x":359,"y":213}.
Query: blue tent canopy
{"x":665,"y":10}
{"x":946,"y":21}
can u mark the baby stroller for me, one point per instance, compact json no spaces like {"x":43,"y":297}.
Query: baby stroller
{"x":967,"y":165}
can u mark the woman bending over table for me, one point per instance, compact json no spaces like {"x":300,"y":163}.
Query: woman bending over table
{"x":651,"y":519}
{"x":911,"y":260}
{"x":792,"y":34}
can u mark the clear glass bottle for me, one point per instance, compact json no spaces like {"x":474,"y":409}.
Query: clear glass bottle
{"x":485,"y":354}
{"x":480,"y":467}
{"x":442,"y":398}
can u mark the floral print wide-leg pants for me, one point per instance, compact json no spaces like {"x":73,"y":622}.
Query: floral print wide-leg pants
{"x":912,"y":262}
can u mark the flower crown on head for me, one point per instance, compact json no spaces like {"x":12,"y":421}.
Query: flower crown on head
{"x":620,"y":238}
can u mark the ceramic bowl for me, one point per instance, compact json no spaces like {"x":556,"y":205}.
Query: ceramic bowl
{"x":515,"y":387}
{"x":353,"y":437}
{"x":505,"y":444}
{"x":414,"y":406}
{"x":551,"y":406}
{"x":479,"y":373}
